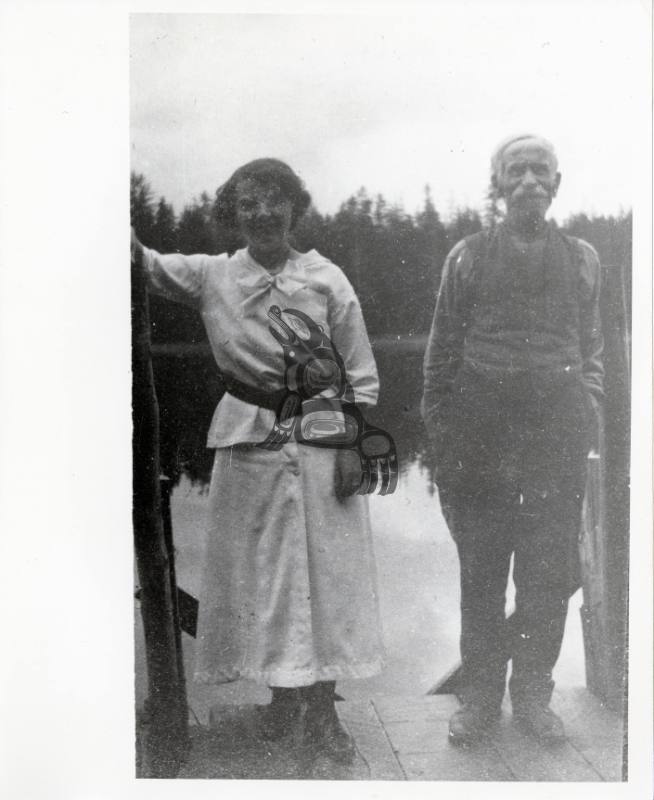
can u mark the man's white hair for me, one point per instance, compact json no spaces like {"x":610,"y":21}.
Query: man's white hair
{"x":498,"y":154}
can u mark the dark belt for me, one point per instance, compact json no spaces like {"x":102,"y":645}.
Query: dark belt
{"x":255,"y":397}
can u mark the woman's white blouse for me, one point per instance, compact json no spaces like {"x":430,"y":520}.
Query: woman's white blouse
{"x":233,"y":295}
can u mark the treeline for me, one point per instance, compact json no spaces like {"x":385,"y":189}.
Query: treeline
{"x":392,"y":258}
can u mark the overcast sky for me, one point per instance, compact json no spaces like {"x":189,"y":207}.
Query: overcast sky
{"x":389,"y":102}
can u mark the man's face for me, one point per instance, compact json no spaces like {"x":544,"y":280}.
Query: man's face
{"x":528,"y":180}
{"x":263,"y":214}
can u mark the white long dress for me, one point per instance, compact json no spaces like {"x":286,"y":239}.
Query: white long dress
{"x":289,"y":591}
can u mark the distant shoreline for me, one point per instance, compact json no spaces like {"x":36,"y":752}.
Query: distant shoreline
{"x":404,"y":343}
{"x":399,"y":343}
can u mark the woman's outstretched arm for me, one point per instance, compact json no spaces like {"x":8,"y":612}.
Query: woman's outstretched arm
{"x":174,"y":276}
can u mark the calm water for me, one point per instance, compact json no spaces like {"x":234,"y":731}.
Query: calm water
{"x":417,"y":566}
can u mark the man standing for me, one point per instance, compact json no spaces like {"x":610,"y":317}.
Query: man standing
{"x":513,"y":378}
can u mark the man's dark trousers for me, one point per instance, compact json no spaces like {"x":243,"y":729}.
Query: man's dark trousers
{"x":515,"y":487}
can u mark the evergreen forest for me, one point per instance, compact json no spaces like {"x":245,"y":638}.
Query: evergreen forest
{"x":392,"y":258}
{"x":394,"y":261}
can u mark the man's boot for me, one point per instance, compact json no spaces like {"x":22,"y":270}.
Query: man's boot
{"x":530,"y":698}
{"x":538,"y":719}
{"x":472,"y":722}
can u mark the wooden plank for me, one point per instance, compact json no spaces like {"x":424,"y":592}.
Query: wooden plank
{"x":424,"y":751}
{"x":418,"y":736}
{"x":364,"y":724}
{"x":587,"y":715}
{"x":477,"y":763}
{"x":406,"y":738}
{"x":231,"y":748}
{"x":528,"y":760}
{"x":593,"y":730}
{"x":595,"y":736}
{"x":222,"y":755}
{"x":412,"y":708}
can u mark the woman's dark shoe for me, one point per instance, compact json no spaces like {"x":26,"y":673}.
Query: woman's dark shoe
{"x":331,"y":738}
{"x":276,"y":719}
{"x":324,"y":732}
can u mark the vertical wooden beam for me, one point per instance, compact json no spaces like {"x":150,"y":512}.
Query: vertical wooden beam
{"x":164,"y":732}
{"x":166,"y":487}
{"x":617,"y":363}
{"x":592,"y":553}
{"x":605,"y":545}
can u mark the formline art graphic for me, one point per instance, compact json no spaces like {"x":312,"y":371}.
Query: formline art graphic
{"x":318,"y":407}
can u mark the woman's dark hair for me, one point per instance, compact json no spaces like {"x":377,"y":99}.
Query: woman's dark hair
{"x":267,"y":172}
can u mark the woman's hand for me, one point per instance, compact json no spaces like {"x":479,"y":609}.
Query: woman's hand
{"x":136,"y":248}
{"x":347,"y":473}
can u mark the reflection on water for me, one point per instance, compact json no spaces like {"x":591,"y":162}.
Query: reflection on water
{"x":416,"y":559}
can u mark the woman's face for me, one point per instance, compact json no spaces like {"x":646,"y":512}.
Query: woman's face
{"x":264,"y":216}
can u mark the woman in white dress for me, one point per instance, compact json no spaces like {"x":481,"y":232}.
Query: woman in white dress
{"x":289,"y":589}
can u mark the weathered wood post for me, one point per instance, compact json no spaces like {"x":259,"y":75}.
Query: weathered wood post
{"x":166,"y":487}
{"x":164,"y":732}
{"x":617,"y":361}
{"x":605,"y":548}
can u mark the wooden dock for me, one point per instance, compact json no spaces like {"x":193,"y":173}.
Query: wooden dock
{"x":404,"y":738}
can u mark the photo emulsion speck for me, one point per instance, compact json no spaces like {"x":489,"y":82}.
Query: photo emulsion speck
{"x":381,"y":351}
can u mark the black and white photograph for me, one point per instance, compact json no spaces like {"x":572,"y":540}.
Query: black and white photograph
{"x":366,"y":431}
